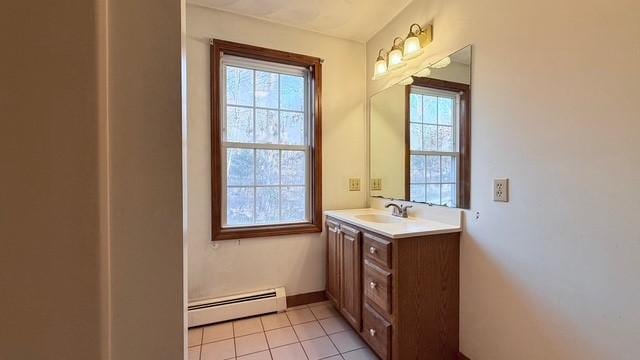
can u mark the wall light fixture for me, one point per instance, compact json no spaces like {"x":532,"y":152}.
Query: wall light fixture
{"x":395,"y":55}
{"x":412,"y":46}
{"x":380,"y":69}
{"x":403,"y":50}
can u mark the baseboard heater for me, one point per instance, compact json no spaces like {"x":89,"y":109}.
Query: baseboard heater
{"x":236,"y":306}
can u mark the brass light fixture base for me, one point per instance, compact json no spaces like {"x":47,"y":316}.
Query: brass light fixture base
{"x":426,"y":36}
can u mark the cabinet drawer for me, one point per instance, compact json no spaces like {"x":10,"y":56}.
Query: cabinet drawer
{"x":377,"y":332}
{"x":377,"y":249}
{"x":377,"y":286}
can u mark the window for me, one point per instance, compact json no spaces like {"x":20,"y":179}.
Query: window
{"x":266,"y":142}
{"x":437,"y":142}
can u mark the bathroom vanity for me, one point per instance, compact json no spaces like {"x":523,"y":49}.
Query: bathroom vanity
{"x":396,"y":281}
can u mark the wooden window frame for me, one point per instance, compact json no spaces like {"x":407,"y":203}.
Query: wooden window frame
{"x":464,"y":131}
{"x":314,"y":65}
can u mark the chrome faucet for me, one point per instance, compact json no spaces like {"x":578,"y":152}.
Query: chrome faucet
{"x":399,"y":210}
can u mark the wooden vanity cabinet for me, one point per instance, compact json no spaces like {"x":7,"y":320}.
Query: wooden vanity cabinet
{"x":344,"y":246}
{"x":400,"y":295}
{"x":350,"y":276}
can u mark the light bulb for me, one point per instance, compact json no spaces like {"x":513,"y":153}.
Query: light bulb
{"x":395,"y":58}
{"x":412,"y":47}
{"x":380,"y":68}
{"x":395,"y":55}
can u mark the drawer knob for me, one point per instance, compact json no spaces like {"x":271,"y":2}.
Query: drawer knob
{"x":373,"y":285}
{"x":372,"y":250}
{"x":372,"y":332}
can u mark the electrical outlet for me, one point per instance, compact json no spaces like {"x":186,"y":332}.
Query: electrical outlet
{"x":376,"y":184}
{"x":501,"y":190}
{"x":354,"y":184}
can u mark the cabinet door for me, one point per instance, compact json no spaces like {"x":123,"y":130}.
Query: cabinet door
{"x":350,"y":275}
{"x":333,"y":261}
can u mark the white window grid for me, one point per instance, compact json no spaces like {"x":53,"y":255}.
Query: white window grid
{"x":455,"y":155}
{"x":258,"y":65}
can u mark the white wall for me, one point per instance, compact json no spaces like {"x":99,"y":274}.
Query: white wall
{"x":552,"y":274}
{"x":90,"y":192}
{"x":145,"y":188}
{"x":50,"y":256}
{"x":296,"y":262}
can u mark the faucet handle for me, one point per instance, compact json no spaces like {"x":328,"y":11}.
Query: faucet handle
{"x":404,"y":210}
{"x":397,"y":209}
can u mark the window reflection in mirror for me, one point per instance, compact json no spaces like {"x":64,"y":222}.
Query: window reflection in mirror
{"x":420,"y":135}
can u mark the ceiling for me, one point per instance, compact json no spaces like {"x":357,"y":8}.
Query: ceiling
{"x":355,"y":20}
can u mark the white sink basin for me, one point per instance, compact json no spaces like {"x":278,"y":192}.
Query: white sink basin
{"x":377,"y":218}
{"x":382,"y":222}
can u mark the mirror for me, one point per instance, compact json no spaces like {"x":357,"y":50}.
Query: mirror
{"x":419,"y":135}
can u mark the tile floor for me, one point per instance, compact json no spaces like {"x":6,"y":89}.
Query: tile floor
{"x":308,"y":332}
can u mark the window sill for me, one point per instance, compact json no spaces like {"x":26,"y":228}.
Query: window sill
{"x":266,"y":231}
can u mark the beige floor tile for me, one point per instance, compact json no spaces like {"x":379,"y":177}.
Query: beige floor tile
{"x":310,"y":330}
{"x":262,"y":355}
{"x":195,"y":336}
{"x":334,"y":325}
{"x":319,"y":348}
{"x":194,"y":353}
{"x":300,"y":316}
{"x":324,"y":311}
{"x":219,"y":350}
{"x":217,"y":332}
{"x":281,"y":337}
{"x":247,"y":326}
{"x":250,"y":344}
{"x":275,"y":321}
{"x":293,"y":335}
{"x":298,"y":307}
{"x":289,"y":352}
{"x":347,"y":341}
{"x":362,"y":354}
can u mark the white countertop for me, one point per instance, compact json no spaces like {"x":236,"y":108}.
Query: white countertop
{"x":405,"y":227}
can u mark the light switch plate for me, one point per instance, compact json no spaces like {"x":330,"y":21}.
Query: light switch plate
{"x":501,"y":189}
{"x":354,"y":184}
{"x":376,"y":184}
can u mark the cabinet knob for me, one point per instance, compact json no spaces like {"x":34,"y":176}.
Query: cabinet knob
{"x":372,"y":250}
{"x":372,"y":285}
{"x":372,"y":332}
